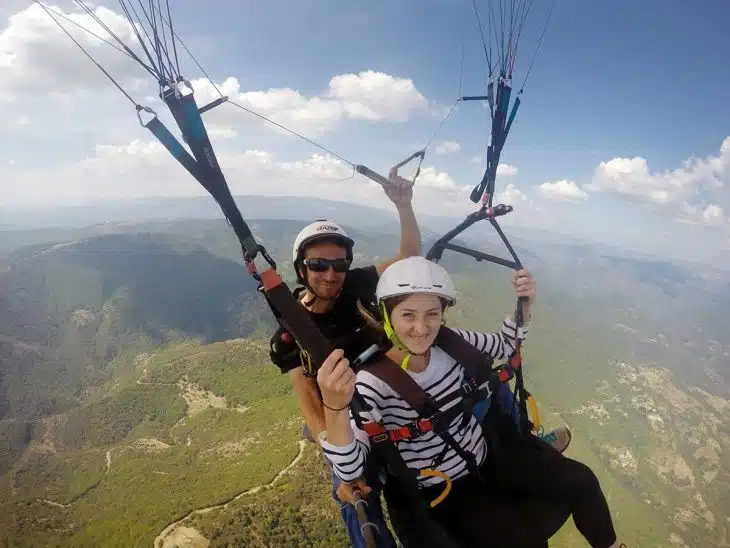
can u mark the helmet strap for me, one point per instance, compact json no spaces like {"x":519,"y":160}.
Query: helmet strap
{"x":311,"y":301}
{"x":393,"y":337}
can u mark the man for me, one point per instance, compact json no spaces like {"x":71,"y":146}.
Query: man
{"x":332,"y":292}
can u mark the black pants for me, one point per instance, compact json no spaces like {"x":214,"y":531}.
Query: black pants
{"x":526,"y":496}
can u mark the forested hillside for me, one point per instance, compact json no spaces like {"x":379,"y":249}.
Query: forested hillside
{"x":136,"y":390}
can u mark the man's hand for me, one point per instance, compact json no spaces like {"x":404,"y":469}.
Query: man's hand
{"x":400,"y":189}
{"x":346,"y":491}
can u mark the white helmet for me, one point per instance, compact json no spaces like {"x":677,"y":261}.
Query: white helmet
{"x":416,"y":275}
{"x":319,"y":230}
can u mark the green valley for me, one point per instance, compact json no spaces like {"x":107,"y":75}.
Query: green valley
{"x":138,"y":405}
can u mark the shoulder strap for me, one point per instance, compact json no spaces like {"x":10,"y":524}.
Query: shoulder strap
{"x":478,"y":365}
{"x":402,"y":383}
{"x":391,"y":373}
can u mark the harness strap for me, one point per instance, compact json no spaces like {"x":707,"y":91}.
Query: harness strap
{"x":437,"y":423}
{"x":478,"y":365}
{"x":294,"y":317}
{"x":414,"y":429}
{"x":480,"y":381}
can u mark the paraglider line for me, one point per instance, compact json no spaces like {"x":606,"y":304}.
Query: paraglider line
{"x":484,"y":42}
{"x":152,"y":69}
{"x":280,"y":126}
{"x":161,"y":44}
{"x":89,"y":56}
{"x":433,"y":136}
{"x":190,"y":53}
{"x":141,"y":41}
{"x":539,"y":43}
{"x":109,"y":43}
{"x":172,"y":33}
{"x":523,"y":18}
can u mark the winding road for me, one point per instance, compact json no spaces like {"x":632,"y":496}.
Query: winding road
{"x":108,"y":457}
{"x":170,"y":529}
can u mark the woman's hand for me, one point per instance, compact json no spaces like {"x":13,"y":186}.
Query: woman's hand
{"x":524,"y":284}
{"x":336,"y":380}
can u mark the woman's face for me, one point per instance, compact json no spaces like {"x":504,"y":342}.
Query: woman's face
{"x":417,"y":320}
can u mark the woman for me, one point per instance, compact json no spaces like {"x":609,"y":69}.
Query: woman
{"x":481,"y":506}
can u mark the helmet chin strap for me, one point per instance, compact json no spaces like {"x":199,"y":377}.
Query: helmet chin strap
{"x":393,"y":337}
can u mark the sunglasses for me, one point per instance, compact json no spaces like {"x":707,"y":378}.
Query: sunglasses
{"x":322,"y":265}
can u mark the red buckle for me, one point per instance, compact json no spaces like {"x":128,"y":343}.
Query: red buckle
{"x":398,"y":434}
{"x":425,"y":425}
{"x":411,"y":430}
{"x":373,"y":429}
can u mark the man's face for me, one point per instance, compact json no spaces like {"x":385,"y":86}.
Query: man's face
{"x":323,"y":277}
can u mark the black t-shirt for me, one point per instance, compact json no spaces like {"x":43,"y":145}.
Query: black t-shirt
{"x":343,"y":324}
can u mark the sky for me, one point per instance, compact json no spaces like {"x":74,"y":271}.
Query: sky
{"x":625,"y":111}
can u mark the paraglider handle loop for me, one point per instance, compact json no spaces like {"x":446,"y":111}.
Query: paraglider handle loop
{"x":249,"y":260}
{"x":140,"y":108}
{"x":417,"y":154}
{"x":384,"y":181}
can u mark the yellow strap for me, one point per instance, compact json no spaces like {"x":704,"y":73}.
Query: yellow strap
{"x":306,"y":359}
{"x":534,"y":415}
{"x":390,"y":332}
{"x":437,"y":474}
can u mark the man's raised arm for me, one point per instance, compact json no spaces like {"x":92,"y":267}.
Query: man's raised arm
{"x":400,"y":192}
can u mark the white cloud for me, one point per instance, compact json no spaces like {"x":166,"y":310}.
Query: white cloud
{"x":563,"y":190}
{"x":511,"y":195}
{"x":319,"y":168}
{"x":145,"y":168}
{"x":506,"y":170}
{"x":375,"y":96}
{"x":63,"y":106}
{"x":446,"y":147}
{"x":85,"y":109}
{"x":503,"y":170}
{"x":431,"y":178}
{"x":713,"y":215}
{"x":288,"y":107}
{"x":37,"y":57}
{"x":699,"y":191}
{"x":221,"y":132}
{"x":367,"y":96}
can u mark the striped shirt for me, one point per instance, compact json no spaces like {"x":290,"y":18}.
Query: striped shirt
{"x":442,"y":376}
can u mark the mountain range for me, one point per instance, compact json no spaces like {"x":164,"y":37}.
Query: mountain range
{"x":138,"y":407}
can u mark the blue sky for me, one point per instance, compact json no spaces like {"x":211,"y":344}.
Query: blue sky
{"x":613,"y":80}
